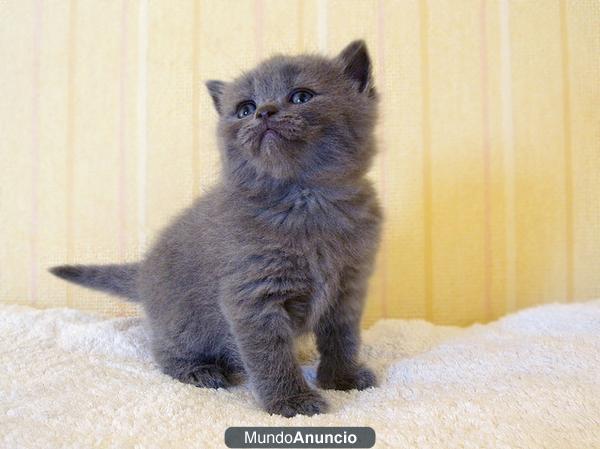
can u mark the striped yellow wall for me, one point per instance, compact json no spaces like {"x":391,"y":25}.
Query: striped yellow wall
{"x":489,"y":168}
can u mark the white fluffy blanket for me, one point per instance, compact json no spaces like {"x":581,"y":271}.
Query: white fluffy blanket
{"x":530,"y":380}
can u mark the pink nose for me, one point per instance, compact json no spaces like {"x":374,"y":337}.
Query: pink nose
{"x":266,"y":110}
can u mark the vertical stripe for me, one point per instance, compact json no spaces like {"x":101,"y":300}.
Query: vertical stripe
{"x":426,"y":142}
{"x":35,"y":151}
{"x":322,"y":25}
{"x":301,"y":26}
{"x":485,"y":118}
{"x":568,"y":150}
{"x":196,"y":100}
{"x":142,"y":117}
{"x":258,"y":28}
{"x":508,"y":145}
{"x":382,"y":178}
{"x":70,"y":155}
{"x":122,"y":138}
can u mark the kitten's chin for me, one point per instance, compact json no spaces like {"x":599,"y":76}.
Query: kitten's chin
{"x":273,"y":162}
{"x":270,"y":135}
{"x":271,"y":143}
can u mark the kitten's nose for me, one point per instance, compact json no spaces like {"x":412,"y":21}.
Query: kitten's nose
{"x":266,"y":110}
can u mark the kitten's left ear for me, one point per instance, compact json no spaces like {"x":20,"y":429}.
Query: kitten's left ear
{"x":357,"y":65}
{"x":215,"y":89}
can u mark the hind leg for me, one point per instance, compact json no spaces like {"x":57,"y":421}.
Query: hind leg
{"x":202,"y":371}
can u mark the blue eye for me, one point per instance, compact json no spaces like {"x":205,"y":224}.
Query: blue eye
{"x":301,"y":96}
{"x":245,"y":109}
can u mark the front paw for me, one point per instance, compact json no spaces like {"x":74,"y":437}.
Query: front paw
{"x":359,"y":378}
{"x":308,"y":403}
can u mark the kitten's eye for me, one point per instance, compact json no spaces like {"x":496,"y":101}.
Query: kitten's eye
{"x":245,"y":109}
{"x":301,"y":96}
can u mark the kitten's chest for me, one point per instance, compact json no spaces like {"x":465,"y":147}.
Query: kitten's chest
{"x":323,"y":258}
{"x":321,"y":231}
{"x":312,"y":215}
{"x":321,"y":267}
{"x":319,"y":237}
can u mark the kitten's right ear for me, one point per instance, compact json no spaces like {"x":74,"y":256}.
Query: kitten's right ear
{"x":215,"y":89}
{"x":357,"y":65}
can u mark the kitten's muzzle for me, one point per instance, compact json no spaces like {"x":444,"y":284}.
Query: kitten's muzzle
{"x":266,"y":111}
{"x":269,"y":133}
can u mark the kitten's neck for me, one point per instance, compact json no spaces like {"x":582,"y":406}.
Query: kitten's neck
{"x":296,"y":207}
{"x":268,"y":191}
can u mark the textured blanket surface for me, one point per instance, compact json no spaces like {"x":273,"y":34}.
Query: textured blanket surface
{"x":530,"y":380}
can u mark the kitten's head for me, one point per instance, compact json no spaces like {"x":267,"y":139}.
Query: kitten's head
{"x":304,"y":117}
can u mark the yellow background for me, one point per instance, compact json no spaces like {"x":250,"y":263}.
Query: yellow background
{"x":489,"y":165}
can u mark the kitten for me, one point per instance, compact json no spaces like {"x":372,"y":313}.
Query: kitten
{"x":282,"y":246}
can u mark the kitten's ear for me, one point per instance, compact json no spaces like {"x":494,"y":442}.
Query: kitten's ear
{"x":215,"y":89}
{"x":357,"y":64}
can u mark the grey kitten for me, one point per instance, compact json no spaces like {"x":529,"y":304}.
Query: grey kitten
{"x":282,"y":246}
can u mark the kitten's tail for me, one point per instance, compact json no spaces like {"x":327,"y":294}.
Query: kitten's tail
{"x":115,"y":279}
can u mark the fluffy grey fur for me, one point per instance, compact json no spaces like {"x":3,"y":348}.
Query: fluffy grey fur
{"x":282,"y":246}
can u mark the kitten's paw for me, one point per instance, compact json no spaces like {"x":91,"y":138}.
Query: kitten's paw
{"x":306,"y":403}
{"x":360,"y":378}
{"x":207,"y":376}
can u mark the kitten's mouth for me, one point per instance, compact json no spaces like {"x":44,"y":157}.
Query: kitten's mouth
{"x":269,"y":134}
